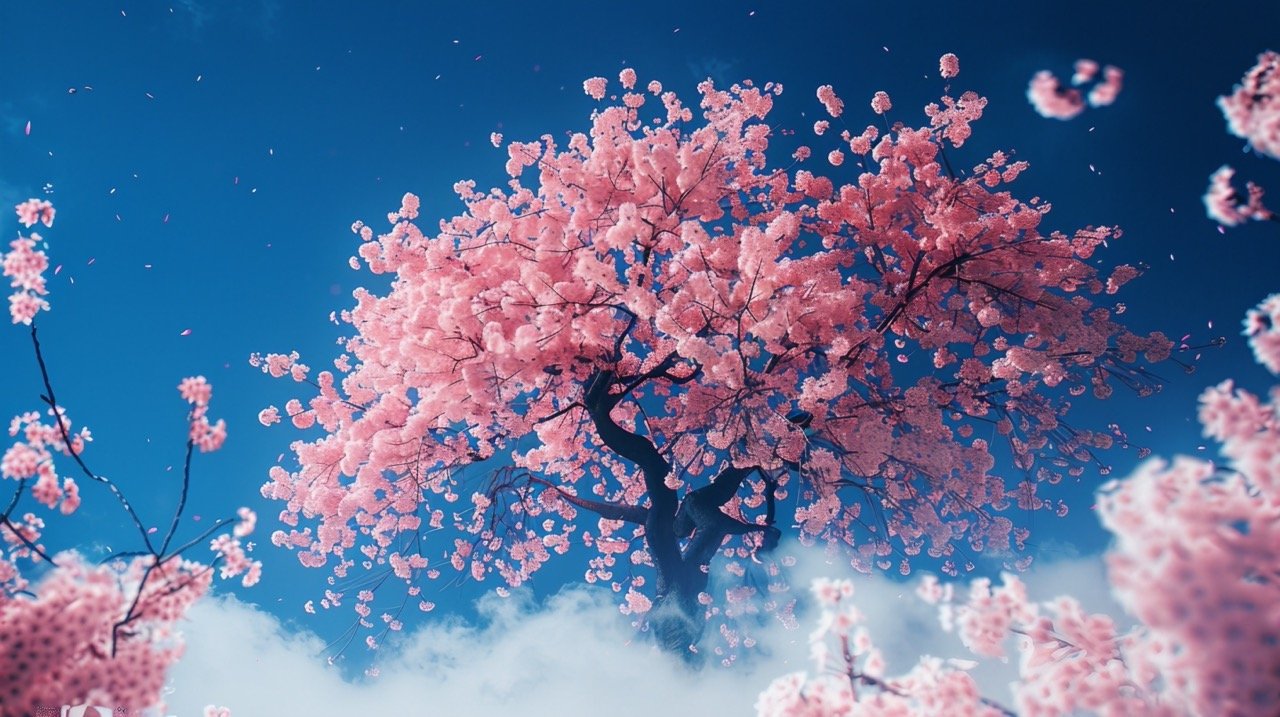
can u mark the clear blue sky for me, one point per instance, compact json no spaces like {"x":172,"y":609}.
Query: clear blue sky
{"x":261,"y":130}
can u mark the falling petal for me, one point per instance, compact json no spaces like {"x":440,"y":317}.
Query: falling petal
{"x":185,"y":332}
{"x":28,"y":128}
{"x":57,"y":270}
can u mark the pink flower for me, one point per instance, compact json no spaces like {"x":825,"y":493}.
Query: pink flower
{"x":1262,"y":326}
{"x":880,"y":103}
{"x":1253,"y":109}
{"x":1085,"y":71}
{"x":21,"y":461}
{"x":409,"y":204}
{"x":949,"y":66}
{"x":24,"y":307}
{"x":248,"y":521}
{"x":212,"y":711}
{"x":35,"y":210}
{"x":595,"y":87}
{"x":833,"y":104}
{"x":1051,"y":100}
{"x":196,"y":390}
{"x":1105,"y":92}
{"x":1223,"y":205}
{"x":269,"y":415}
{"x":628,"y":78}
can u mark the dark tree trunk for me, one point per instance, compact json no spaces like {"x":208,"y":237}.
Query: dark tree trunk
{"x":682,"y":535}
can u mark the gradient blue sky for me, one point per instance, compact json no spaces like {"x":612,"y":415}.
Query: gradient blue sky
{"x":261,"y":130}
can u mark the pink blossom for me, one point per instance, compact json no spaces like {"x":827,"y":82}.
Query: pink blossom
{"x":1253,"y":108}
{"x":949,"y":66}
{"x":35,"y":210}
{"x":25,"y":268}
{"x":833,"y":104}
{"x":1262,"y":326}
{"x":65,"y":625}
{"x":1224,"y":205}
{"x":1085,"y":71}
{"x":195,"y":390}
{"x":628,"y":78}
{"x":248,"y":521}
{"x":269,"y":416}
{"x":880,"y":103}
{"x":595,"y":87}
{"x":1051,"y":99}
{"x":409,"y":204}
{"x":1105,"y":92}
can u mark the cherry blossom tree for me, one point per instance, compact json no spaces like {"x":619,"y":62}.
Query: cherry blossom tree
{"x":658,"y":344}
{"x":1193,"y":560}
{"x":72,"y":631}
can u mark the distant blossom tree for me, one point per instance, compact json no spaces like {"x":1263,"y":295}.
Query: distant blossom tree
{"x":72,"y":631}
{"x":1194,"y":561}
{"x":656,"y":344}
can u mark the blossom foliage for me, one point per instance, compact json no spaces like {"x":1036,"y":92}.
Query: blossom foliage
{"x":650,"y":338}
{"x":1193,"y":562}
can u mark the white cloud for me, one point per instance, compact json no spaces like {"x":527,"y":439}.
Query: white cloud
{"x":572,"y":655}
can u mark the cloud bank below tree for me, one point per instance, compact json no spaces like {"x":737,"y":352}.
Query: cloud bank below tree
{"x":573,"y":654}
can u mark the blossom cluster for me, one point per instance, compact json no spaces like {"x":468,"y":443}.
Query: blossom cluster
{"x":77,"y":632}
{"x":1253,"y":113}
{"x":24,"y":265}
{"x":1052,"y":99}
{"x":1253,"y":108}
{"x":1193,"y":562}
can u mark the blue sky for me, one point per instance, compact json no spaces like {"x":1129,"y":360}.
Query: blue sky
{"x":229,"y":146}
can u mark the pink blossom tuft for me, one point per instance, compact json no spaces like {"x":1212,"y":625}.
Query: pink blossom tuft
{"x":833,"y":104}
{"x":880,"y":103}
{"x":1051,"y":99}
{"x":595,"y":87}
{"x":35,"y":210}
{"x":1223,"y":204}
{"x":1253,"y":108}
{"x":949,"y":66}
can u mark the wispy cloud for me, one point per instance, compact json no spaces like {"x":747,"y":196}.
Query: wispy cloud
{"x":572,"y":655}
